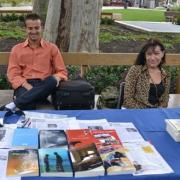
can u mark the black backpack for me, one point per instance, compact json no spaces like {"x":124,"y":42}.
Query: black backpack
{"x":74,"y":94}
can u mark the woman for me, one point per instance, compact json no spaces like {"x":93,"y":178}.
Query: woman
{"x":147,"y":83}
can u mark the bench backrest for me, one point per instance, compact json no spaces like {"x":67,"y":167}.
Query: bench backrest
{"x":104,"y":59}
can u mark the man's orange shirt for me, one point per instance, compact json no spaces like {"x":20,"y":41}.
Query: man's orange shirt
{"x":35,"y":63}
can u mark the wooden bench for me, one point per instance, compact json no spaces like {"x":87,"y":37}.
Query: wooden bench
{"x":171,"y":16}
{"x":104,"y":59}
{"x":106,"y":15}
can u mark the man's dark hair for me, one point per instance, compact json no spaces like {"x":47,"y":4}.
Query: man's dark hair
{"x":32,"y":16}
{"x":151,"y":43}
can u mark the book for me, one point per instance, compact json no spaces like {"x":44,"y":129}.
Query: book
{"x":146,"y":159}
{"x":86,"y":161}
{"x":52,"y":138}
{"x":3,"y":165}
{"x":106,"y":138}
{"x":172,"y":129}
{"x":79,"y":137}
{"x":175,"y":123}
{"x":116,"y":162}
{"x":55,"y":162}
{"x":22,"y":163}
{"x":25,"y":137}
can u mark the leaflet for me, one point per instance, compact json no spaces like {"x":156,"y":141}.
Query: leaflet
{"x":127,"y":132}
{"x":146,"y":159}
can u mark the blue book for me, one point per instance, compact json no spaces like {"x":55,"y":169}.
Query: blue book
{"x":25,"y":137}
{"x":55,"y":162}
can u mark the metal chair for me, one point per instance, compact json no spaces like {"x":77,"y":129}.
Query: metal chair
{"x":121,"y":95}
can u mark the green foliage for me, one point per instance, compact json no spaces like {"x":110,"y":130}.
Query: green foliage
{"x":103,"y":76}
{"x":176,"y":8}
{"x":11,"y":17}
{"x":11,"y":30}
{"x":139,"y":14}
{"x":177,"y":20}
{"x":4,"y":83}
{"x":107,"y":21}
{"x":14,"y":2}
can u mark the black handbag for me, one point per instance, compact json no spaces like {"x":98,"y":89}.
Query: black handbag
{"x":74,"y":94}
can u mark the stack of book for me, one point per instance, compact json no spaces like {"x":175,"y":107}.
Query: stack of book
{"x":173,"y":128}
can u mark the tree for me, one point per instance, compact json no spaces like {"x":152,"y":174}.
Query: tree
{"x":40,"y":7}
{"x":74,"y":25}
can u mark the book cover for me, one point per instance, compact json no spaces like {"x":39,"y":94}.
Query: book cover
{"x":116,"y":162}
{"x":86,"y":161}
{"x":79,"y":137}
{"x":25,"y":137}
{"x":105,"y":138}
{"x":175,"y":123}
{"x":55,"y":162}
{"x":22,"y":163}
{"x":52,"y":138}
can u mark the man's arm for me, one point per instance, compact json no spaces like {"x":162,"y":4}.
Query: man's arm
{"x":60,"y":72}
{"x":14,"y":71}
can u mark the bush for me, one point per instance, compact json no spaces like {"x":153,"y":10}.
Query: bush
{"x":4,"y":84}
{"x":11,"y":17}
{"x":177,"y":20}
{"x":107,"y":21}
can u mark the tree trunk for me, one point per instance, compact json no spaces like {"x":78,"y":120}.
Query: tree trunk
{"x":40,"y":7}
{"x":63,"y":38}
{"x":84,"y":35}
{"x":52,"y":21}
{"x":74,"y":24}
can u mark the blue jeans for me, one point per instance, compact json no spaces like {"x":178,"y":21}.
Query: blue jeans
{"x":27,"y":100}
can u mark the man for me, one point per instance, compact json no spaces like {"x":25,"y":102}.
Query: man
{"x":35,"y":67}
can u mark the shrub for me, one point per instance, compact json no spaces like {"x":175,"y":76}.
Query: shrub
{"x":107,"y":21}
{"x":11,"y":17}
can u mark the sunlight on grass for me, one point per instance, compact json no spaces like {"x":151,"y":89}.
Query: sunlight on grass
{"x":139,"y":15}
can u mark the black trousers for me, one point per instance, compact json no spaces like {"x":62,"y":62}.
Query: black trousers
{"x":27,"y":100}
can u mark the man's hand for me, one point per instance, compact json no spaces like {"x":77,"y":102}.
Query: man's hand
{"x":57,"y":79}
{"x":27,"y":86}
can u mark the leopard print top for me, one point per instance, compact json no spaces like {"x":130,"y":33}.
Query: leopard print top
{"x":137,"y":85}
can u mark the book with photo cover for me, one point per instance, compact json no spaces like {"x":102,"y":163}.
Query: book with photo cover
{"x":79,"y":137}
{"x":25,"y":137}
{"x":52,"y":139}
{"x":86,"y":161}
{"x":116,"y":162}
{"x":105,"y":138}
{"x":55,"y":162}
{"x":22,"y":163}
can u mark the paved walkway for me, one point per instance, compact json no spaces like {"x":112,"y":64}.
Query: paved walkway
{"x":165,"y":27}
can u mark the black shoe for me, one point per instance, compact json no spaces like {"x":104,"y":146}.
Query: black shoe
{"x":3,"y":108}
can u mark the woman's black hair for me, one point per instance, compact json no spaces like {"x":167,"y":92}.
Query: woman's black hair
{"x":151,"y":43}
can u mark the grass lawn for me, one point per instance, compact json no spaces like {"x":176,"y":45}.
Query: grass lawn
{"x":139,"y":14}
